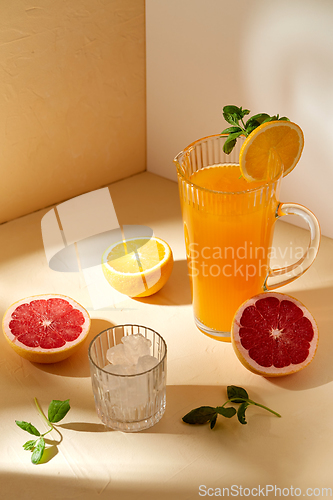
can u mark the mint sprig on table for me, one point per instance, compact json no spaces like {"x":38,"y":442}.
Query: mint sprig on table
{"x":234,"y":116}
{"x":209,"y":414}
{"x":56,"y":412}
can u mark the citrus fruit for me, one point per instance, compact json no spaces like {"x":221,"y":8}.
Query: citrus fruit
{"x":271,"y":140}
{"x":46,"y":328}
{"x":138,"y":267}
{"x":273,"y":334}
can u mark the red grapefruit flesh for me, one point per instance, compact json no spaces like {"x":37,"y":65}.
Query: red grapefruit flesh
{"x":274,"y":334}
{"x":46,"y":328}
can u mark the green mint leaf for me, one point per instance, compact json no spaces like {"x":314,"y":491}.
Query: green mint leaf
{"x":213,"y":421}
{"x":205,"y":414}
{"x":271,"y":119}
{"x":38,"y":451}
{"x":251,"y":128}
{"x":234,"y":115}
{"x":30,"y":444}
{"x":57,"y":410}
{"x":231,"y":130}
{"x":232,"y":110}
{"x":228,"y":146}
{"x":259,"y":118}
{"x":251,"y":125}
{"x":26,"y":426}
{"x":241,"y":412}
{"x":200,"y":415}
{"x":245,"y":112}
{"x":230,"y":142}
{"x":235,"y":392}
{"x":226,"y":412}
{"x":232,"y":119}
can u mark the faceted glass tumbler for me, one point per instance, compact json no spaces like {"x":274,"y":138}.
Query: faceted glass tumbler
{"x":128,"y":403}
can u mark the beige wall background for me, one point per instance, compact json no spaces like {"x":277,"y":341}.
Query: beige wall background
{"x":273,"y":57}
{"x":72,"y":99}
{"x":73,"y":90}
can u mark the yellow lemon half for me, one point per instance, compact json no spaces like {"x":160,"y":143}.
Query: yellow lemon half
{"x":270,"y":141}
{"x":138,"y":267}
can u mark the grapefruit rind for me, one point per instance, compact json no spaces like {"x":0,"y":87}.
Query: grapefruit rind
{"x":251,"y":364}
{"x":132,"y":283}
{"x":39,"y":354}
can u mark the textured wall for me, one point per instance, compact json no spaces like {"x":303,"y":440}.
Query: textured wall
{"x":72,"y":99}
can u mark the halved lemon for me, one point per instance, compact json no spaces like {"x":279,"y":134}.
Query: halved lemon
{"x":138,"y":267}
{"x":268,"y":144}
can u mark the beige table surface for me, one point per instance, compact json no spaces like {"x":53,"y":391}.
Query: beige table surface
{"x":171,"y":460}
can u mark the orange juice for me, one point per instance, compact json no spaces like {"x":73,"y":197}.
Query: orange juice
{"x":228,"y":225}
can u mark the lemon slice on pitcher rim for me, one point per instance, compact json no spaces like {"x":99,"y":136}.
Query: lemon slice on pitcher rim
{"x":138,"y":267}
{"x":271,"y":140}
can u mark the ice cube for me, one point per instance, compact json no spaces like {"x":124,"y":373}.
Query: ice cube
{"x":121,"y":369}
{"x":146,"y":363}
{"x":136,"y":345}
{"x":128,"y":393}
{"x":118,"y":355}
{"x":135,"y":391}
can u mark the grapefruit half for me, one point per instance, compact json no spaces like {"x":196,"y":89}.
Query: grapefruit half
{"x":46,"y":328}
{"x":274,"y":334}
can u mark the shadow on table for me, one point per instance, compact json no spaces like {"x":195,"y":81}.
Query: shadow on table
{"x":180,"y":400}
{"x":84,"y":427}
{"x":320,"y":371}
{"x":77,"y":365}
{"x":176,"y":291}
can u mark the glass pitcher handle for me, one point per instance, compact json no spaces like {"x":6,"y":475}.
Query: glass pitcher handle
{"x":284,"y":275}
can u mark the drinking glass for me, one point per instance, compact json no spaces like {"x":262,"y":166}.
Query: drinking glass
{"x":228,"y":235}
{"x":128,"y":402}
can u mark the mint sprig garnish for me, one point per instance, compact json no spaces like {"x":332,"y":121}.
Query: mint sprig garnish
{"x":209,"y":414}
{"x":235,"y":117}
{"x":56,"y":412}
